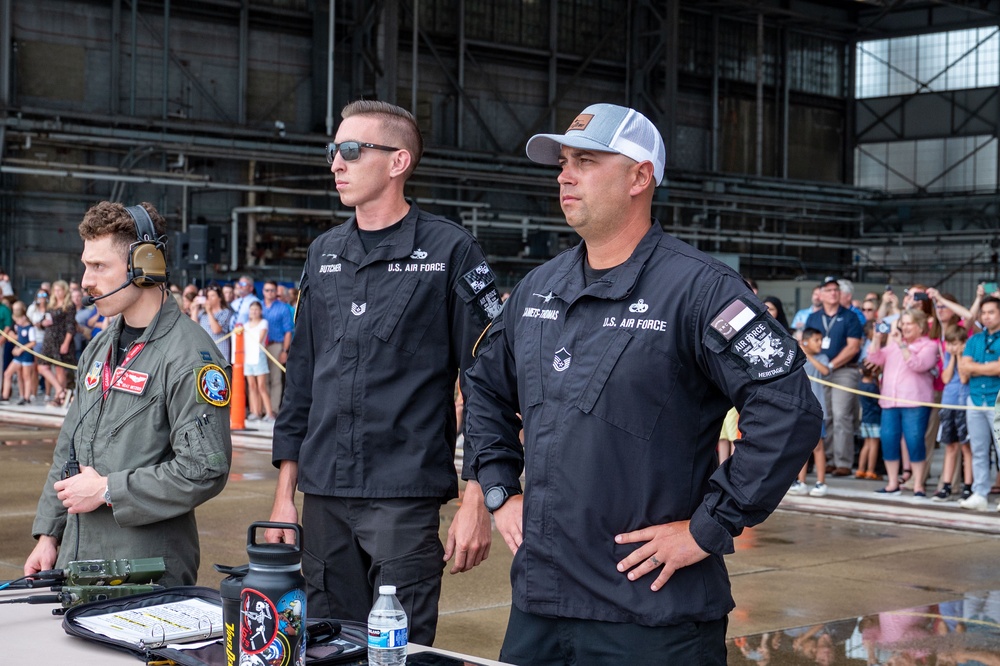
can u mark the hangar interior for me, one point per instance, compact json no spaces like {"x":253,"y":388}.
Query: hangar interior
{"x":804,"y":137}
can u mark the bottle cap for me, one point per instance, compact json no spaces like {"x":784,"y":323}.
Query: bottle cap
{"x":387,"y":589}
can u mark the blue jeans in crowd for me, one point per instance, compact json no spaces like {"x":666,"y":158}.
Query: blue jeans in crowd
{"x":981,"y":438}
{"x":909,"y":423}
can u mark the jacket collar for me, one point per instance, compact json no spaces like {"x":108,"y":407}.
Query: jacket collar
{"x":158,"y":327}
{"x":397,"y":246}
{"x":617,"y":283}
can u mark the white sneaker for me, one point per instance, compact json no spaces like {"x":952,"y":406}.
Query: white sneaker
{"x":975,"y":502}
{"x":819,"y":490}
{"x":798,"y":488}
{"x":252,"y":417}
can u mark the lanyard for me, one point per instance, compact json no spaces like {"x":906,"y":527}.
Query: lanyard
{"x":827,"y":324}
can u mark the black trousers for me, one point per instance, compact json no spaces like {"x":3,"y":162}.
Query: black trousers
{"x":351,"y":546}
{"x":535,"y":640}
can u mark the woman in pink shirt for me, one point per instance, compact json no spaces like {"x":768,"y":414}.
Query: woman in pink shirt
{"x":908,"y":359}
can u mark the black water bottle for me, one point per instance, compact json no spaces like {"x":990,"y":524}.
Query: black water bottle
{"x":273,"y":601}
{"x":230,"y":589}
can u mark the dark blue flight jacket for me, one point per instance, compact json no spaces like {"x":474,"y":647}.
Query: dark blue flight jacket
{"x":369,"y":402}
{"x":622,"y":387}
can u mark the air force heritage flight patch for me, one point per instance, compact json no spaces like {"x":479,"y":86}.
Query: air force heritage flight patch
{"x":213,"y":385}
{"x":755,"y":341}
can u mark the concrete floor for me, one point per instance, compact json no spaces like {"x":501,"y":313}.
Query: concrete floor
{"x":799,"y":568}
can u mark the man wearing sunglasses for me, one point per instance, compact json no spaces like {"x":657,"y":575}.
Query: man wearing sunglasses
{"x":391,"y":303}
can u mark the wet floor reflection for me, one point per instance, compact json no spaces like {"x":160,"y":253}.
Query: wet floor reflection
{"x":18,"y":435}
{"x":954,"y":633}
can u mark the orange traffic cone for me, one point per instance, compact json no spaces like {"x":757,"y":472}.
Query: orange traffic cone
{"x":238,"y":403}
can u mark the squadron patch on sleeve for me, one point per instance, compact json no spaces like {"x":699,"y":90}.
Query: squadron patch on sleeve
{"x":478,"y":279}
{"x":766,"y":352}
{"x":212,"y":385}
{"x":757,"y":343}
{"x":478,"y":290}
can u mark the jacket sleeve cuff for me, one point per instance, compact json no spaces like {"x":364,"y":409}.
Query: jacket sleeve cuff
{"x":498,"y":475}
{"x":709,"y":534}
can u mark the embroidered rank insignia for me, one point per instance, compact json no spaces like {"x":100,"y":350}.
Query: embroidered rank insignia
{"x":561,"y":360}
{"x":766,"y":353}
{"x":213,"y":385}
{"x":206,"y":356}
{"x":93,"y":377}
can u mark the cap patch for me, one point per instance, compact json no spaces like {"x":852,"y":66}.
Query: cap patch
{"x":580,"y":122}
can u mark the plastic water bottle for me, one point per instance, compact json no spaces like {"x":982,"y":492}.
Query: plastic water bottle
{"x":387,"y":630}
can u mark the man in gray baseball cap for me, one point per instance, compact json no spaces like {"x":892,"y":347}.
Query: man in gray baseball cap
{"x":605,"y":128}
{"x":619,"y":359}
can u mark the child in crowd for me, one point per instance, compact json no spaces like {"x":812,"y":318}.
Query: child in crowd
{"x":871,"y":417}
{"x":730,"y":433}
{"x":953,"y":431}
{"x":22,"y":363}
{"x":871,"y":424}
{"x":818,"y":366}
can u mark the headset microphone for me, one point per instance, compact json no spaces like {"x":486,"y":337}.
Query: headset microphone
{"x":89,"y":300}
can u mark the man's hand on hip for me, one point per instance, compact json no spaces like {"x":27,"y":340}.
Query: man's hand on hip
{"x":670,"y":546}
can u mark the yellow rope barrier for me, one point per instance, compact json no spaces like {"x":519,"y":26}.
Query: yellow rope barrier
{"x":68,"y":366}
{"x":263,"y":348}
{"x":42,"y":357}
{"x":915,"y":403}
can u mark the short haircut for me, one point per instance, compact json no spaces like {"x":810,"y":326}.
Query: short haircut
{"x":990,"y":299}
{"x":109,"y":218}
{"x":811,"y":332}
{"x":918,"y":317}
{"x":271,"y":282}
{"x":955,"y":334}
{"x":399,"y":125}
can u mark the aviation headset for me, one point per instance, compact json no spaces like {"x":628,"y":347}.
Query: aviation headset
{"x":147,"y":264}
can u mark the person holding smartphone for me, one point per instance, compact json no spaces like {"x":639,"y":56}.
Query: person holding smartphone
{"x":214,"y":315}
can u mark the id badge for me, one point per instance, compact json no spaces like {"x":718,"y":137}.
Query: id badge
{"x":826,"y":342}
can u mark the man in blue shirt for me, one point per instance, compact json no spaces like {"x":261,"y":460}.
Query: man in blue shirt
{"x":279,"y":339}
{"x":799,"y":320}
{"x":842,"y":334}
{"x":980,"y":366}
{"x":244,"y":297}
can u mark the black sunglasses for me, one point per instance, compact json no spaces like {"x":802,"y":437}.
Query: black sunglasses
{"x":351,"y":150}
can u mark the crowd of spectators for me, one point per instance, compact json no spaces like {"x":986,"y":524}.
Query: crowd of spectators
{"x":903,"y":376}
{"x":55,"y":326}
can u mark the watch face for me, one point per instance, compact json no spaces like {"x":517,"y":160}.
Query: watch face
{"x":495,"y":498}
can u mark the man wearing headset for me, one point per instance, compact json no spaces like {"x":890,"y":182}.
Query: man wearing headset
{"x":147,"y":438}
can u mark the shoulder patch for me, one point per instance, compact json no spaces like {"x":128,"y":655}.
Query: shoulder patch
{"x":763,"y":349}
{"x":733,"y":318}
{"x":212,"y":385}
{"x":478,"y":279}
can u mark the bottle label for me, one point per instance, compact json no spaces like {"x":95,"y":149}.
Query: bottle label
{"x":386,"y":638}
